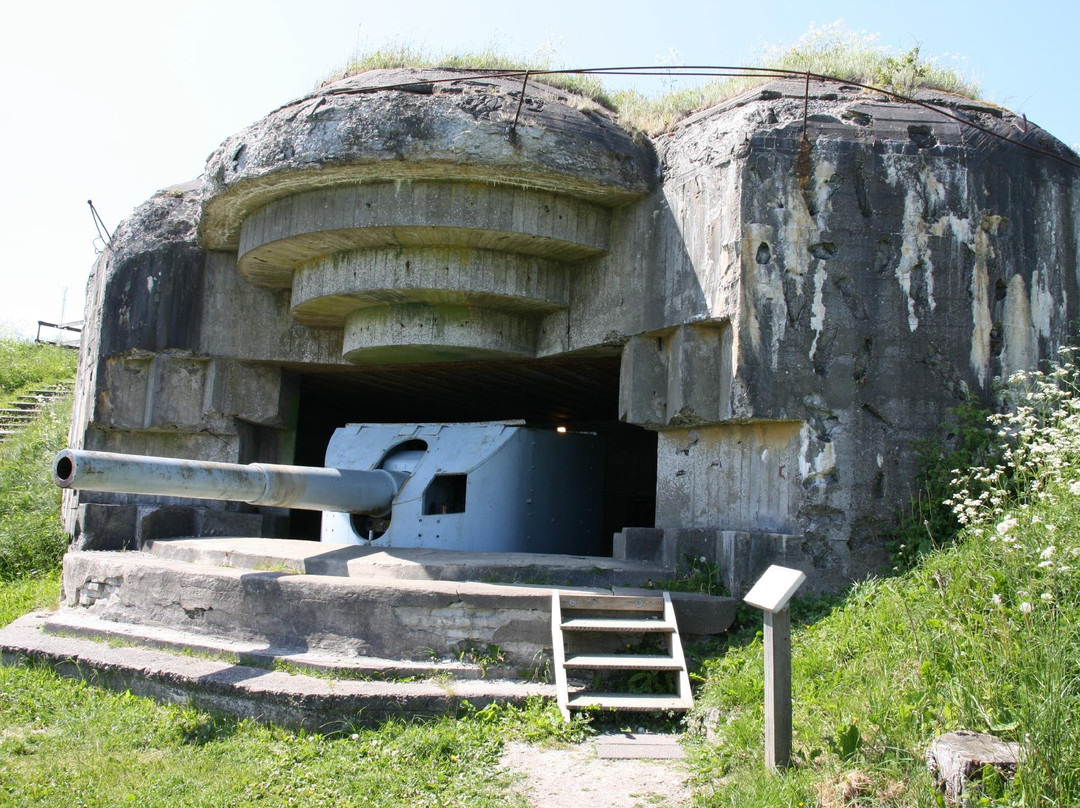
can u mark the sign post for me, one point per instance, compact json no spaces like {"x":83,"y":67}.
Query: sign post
{"x":771,"y":594}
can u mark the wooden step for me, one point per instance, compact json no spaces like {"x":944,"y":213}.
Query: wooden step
{"x":615,"y":624}
{"x":653,"y":614}
{"x":638,"y":702}
{"x":625,"y":662}
{"x":613,"y":603}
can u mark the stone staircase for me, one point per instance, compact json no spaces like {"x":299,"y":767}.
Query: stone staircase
{"x":316,"y":634}
{"x":27,"y":407}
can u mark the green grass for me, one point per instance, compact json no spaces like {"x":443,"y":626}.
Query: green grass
{"x":487,"y":59}
{"x":981,"y":634}
{"x":32,"y":540}
{"x":831,"y":50}
{"x":27,"y":364}
{"x":979,"y":629}
{"x":65,"y":743}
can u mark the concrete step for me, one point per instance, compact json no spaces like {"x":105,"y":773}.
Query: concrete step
{"x":270,"y":603}
{"x":408,"y":563}
{"x":317,"y":703}
{"x":77,"y":622}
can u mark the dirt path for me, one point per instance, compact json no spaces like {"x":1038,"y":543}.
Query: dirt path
{"x":576,"y":778}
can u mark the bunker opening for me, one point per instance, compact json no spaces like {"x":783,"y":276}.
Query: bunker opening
{"x":558,"y":398}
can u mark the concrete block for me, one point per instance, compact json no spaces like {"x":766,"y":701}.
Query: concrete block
{"x":730,"y":476}
{"x":156,"y":522}
{"x":177,"y":391}
{"x":643,"y":381}
{"x":703,"y":615}
{"x":219,"y":446}
{"x":105,"y":527}
{"x":699,"y":374}
{"x":326,"y":289}
{"x":258,"y":393}
{"x":121,"y":399}
{"x":639,"y":544}
{"x":214,"y":522}
{"x":423,"y":332}
{"x":743,"y":557}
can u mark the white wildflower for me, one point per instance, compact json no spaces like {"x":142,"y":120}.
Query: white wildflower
{"x":1005,"y":525}
{"x":996,"y":599}
{"x":1044,"y":564}
{"x":1048,"y":552}
{"x":1026,"y":607}
{"x":1046,"y":596}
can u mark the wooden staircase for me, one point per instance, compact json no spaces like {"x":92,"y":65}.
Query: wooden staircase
{"x":589,"y":625}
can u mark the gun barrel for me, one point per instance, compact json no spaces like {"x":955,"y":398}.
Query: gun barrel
{"x":307,"y":487}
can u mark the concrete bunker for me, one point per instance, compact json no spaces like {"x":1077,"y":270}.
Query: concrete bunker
{"x":756,"y":313}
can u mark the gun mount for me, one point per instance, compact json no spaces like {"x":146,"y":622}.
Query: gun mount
{"x":488,"y":487}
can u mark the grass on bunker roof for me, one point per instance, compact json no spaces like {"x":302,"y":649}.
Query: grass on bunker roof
{"x":831,"y":50}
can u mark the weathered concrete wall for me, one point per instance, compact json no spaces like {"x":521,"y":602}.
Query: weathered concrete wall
{"x":791,"y":311}
{"x":150,"y":383}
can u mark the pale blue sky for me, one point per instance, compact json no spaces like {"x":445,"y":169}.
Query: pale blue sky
{"x":114,"y":99}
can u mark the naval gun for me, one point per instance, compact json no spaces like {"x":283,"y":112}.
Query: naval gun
{"x":486,"y":487}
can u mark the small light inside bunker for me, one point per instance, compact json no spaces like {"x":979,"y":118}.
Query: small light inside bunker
{"x":561,"y":430}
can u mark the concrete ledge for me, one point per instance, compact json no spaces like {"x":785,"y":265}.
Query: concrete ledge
{"x":362,"y":610}
{"x":409,"y":563}
{"x":76,"y":622}
{"x":327,"y":289}
{"x":288,"y":232}
{"x":294,"y":700}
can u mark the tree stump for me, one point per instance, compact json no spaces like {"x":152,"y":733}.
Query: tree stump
{"x":956,"y":758}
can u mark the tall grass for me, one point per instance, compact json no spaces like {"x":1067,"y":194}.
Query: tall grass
{"x":25,"y":364}
{"x":487,"y":59}
{"x":32,"y":540}
{"x":982,"y":635}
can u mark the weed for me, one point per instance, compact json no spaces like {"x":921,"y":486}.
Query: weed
{"x":965,"y":440}
{"x":694,"y":574}
{"x":490,"y":657}
{"x":284,"y":567}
